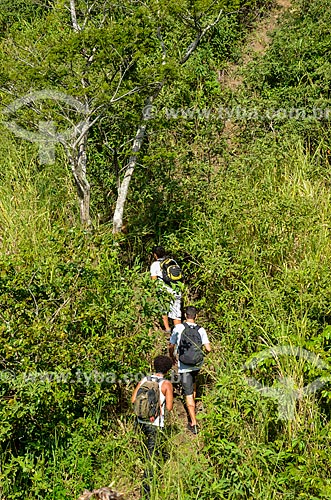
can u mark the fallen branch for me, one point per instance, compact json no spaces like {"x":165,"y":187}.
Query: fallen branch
{"x":101,"y":494}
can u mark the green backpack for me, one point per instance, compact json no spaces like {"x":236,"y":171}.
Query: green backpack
{"x":147,"y":403}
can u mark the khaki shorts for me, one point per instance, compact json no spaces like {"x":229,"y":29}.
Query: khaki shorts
{"x":175,"y":311}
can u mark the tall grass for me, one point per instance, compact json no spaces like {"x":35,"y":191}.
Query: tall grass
{"x":34,"y":198}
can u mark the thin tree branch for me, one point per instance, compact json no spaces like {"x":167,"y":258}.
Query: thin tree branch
{"x":164,"y":50}
{"x":197,"y":40}
{"x":132,"y":91}
{"x":129,"y":65}
{"x":75,"y":24}
{"x":88,"y":12}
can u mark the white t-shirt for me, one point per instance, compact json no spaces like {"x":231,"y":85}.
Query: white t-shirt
{"x":159,"y":421}
{"x":175,"y":340}
{"x":156,"y":269}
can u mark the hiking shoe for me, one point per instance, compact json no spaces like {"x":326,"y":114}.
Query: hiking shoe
{"x":192,"y":428}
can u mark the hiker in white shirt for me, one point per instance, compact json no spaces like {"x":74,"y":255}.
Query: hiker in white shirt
{"x":162,"y":364}
{"x":174,"y":311}
{"x":191,"y":342}
{"x":153,"y":429}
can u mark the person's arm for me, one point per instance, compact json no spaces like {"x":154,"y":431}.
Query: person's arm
{"x":171,"y":353}
{"x":169,"y":394}
{"x":134,"y":395}
{"x":205,"y":339}
{"x":207,"y":347}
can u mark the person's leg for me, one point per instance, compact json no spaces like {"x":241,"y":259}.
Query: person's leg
{"x":150,"y":432}
{"x":188,"y":381}
{"x":194,"y":391}
{"x":190,"y":403}
{"x":163,"y":298}
{"x":187,"y":384}
{"x":166,"y":323}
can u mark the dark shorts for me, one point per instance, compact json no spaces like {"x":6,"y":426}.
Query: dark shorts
{"x":187,"y":380}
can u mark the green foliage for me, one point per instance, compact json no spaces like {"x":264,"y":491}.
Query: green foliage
{"x":14,"y":12}
{"x":75,"y":331}
{"x":248,"y":219}
{"x":118,"y":53}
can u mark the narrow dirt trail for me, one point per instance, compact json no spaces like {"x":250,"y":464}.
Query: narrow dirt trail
{"x":256,"y":43}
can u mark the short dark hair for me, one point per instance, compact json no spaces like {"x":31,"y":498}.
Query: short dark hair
{"x":190,"y":312}
{"x":159,"y":252}
{"x":162,"y":364}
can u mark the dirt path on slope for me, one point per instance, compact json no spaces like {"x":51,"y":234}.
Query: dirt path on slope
{"x":256,"y":44}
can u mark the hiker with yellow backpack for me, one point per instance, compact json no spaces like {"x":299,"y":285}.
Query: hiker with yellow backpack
{"x":168,"y":274}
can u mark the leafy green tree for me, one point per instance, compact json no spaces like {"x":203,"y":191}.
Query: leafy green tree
{"x":90,"y":53}
{"x":112,"y":60}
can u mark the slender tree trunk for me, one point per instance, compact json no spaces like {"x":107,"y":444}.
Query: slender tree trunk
{"x":78,"y":158}
{"x":124,"y":186}
{"x":137,"y":143}
{"x":78,"y":163}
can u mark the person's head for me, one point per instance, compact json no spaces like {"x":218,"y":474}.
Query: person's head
{"x":162,"y":364}
{"x":159,"y":252}
{"x":190,"y":312}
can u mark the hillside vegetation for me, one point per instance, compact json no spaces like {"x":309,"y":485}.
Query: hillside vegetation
{"x":234,"y":180}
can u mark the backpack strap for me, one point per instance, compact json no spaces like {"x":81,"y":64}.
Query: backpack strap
{"x":195,"y":327}
{"x":159,"y":380}
{"x":156,"y":379}
{"x":150,"y":377}
{"x":187,"y":329}
{"x":161,"y":259}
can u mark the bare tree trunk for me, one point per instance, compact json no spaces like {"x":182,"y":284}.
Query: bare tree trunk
{"x":78,"y":157}
{"x":123,"y":189}
{"x":76,"y":154}
{"x":124,"y":186}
